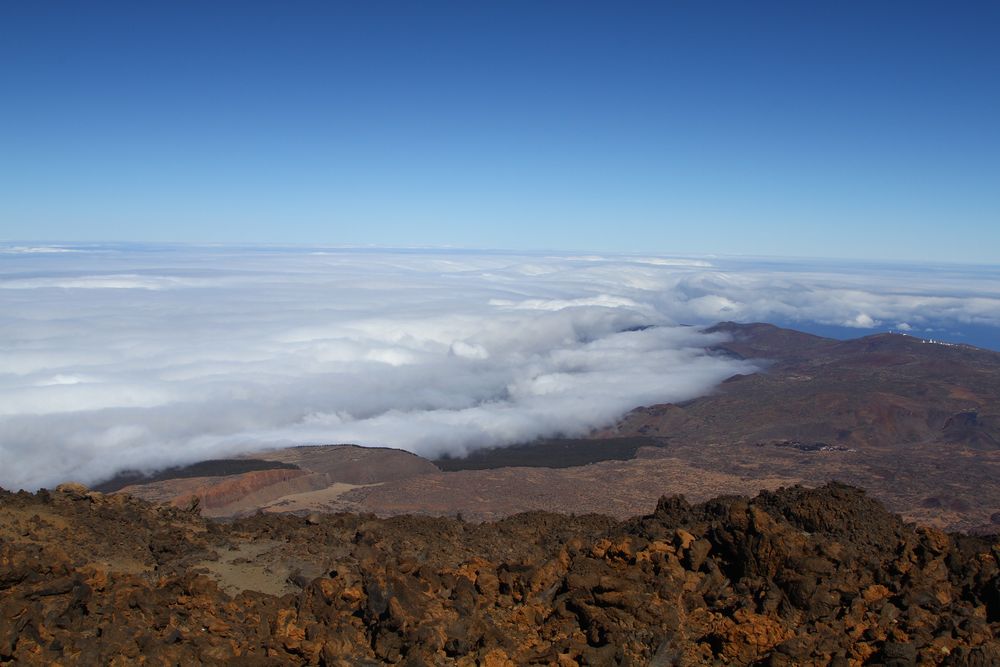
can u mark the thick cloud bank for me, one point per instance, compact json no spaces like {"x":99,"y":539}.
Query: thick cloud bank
{"x":116,"y":357}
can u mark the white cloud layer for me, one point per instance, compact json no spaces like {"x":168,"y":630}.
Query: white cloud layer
{"x":138,"y":357}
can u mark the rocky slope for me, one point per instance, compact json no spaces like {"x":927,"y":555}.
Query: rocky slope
{"x":916,"y":423}
{"x":790,"y":577}
{"x":885,"y":390}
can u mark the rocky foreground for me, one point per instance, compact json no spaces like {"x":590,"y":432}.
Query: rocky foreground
{"x":793,"y":577}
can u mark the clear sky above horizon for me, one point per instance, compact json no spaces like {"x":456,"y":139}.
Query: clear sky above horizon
{"x":857,"y":130}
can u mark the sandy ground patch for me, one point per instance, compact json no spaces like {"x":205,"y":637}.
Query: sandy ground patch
{"x":245,"y":566}
{"x":321,"y":500}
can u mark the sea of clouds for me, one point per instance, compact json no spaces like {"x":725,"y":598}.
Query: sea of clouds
{"x":118,"y":357}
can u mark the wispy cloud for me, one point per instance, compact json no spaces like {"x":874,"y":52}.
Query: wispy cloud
{"x":28,"y":250}
{"x":144,"y":357}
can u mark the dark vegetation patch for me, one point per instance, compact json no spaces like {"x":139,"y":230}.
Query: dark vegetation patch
{"x":809,"y":446}
{"x":551,"y":453}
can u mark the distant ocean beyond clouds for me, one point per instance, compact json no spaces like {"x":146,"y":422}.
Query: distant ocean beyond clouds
{"x":118,"y":355}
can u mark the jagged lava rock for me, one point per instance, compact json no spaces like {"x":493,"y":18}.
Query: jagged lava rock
{"x":794,"y":577}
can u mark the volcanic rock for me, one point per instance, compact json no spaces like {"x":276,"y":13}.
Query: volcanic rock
{"x":792,"y":577}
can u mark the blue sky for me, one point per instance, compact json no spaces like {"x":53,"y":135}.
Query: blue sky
{"x":857,"y":130}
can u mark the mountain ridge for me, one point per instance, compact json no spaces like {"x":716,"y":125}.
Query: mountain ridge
{"x":915,"y":423}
